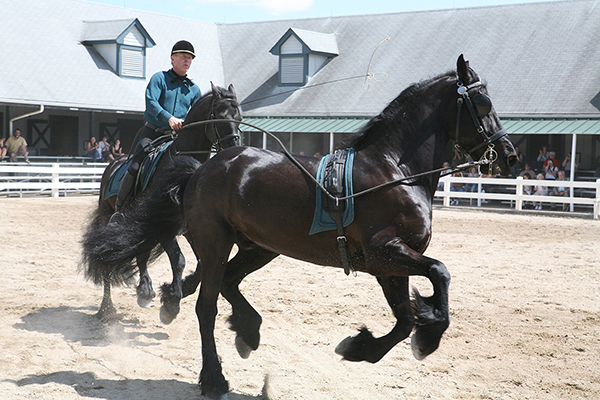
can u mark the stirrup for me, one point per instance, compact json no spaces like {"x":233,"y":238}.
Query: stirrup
{"x":116,"y":218}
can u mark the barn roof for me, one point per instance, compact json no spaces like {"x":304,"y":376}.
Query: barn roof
{"x":538,"y":58}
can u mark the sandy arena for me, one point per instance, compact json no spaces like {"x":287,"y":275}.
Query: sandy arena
{"x":524,"y":300}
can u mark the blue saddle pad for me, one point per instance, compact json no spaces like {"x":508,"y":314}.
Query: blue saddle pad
{"x":115,"y":180}
{"x":322,"y":220}
{"x":147,"y":170}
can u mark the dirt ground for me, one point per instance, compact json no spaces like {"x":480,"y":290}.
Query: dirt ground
{"x":524,"y":299}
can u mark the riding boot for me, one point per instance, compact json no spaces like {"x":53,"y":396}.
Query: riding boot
{"x":127,"y":186}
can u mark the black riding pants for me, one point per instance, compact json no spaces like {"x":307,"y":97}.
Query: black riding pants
{"x":143,"y":147}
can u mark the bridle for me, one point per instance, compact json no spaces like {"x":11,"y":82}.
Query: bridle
{"x":217,"y":139}
{"x":478,"y":106}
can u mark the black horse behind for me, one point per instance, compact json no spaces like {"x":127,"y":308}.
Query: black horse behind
{"x":193,"y":143}
{"x":261,"y":201}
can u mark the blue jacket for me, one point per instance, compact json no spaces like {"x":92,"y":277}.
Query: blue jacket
{"x":167,"y":97}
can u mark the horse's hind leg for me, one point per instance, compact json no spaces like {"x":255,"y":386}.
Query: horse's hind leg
{"x":172,"y":294}
{"x":244,"y":320}
{"x":364,"y":347}
{"x":145,"y":293}
{"x":107,"y":310}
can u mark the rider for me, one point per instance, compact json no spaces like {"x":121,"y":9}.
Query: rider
{"x":169,"y":95}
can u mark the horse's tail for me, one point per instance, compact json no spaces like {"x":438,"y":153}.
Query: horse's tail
{"x":110,"y":250}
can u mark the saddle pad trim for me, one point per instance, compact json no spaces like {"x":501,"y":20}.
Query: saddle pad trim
{"x":323,"y":221}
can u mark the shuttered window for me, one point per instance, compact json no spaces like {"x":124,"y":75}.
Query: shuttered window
{"x":292,"y":70}
{"x":132,"y":62}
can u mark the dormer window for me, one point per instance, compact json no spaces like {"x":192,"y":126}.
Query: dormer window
{"x":302,"y":54}
{"x":121,"y":43}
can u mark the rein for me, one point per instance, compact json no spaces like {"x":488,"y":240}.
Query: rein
{"x":483,"y":161}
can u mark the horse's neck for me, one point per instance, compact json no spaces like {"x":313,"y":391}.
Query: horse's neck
{"x":413,"y":149}
{"x":193,"y":138}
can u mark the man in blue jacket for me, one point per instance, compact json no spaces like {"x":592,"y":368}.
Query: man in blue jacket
{"x":169,"y":95}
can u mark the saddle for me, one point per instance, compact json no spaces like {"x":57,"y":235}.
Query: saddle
{"x":335,"y":174}
{"x":145,"y":173}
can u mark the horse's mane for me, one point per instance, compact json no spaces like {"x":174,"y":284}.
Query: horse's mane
{"x":406,"y":104}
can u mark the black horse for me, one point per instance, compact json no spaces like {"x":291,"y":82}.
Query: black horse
{"x":263,"y":202}
{"x":193,"y":139}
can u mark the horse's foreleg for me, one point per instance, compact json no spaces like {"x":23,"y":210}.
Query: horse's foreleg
{"x":172,"y":294}
{"x":145,"y":293}
{"x":244,"y":320}
{"x":432,"y":316}
{"x":107,"y":310}
{"x":212,"y":382}
{"x":364,"y":347}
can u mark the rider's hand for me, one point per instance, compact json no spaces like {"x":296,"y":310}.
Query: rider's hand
{"x":175,"y":123}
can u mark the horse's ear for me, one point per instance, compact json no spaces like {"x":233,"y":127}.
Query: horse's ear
{"x":462,"y":69}
{"x":231,"y":89}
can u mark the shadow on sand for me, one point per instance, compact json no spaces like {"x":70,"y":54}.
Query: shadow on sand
{"x":86,"y":384}
{"x":76,"y":325}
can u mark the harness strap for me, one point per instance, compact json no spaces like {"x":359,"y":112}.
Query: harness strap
{"x":342,"y":242}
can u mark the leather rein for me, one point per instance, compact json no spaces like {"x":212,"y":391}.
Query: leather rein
{"x":488,"y":157}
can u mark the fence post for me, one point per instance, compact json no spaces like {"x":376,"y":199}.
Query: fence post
{"x":55,"y":179}
{"x":597,"y":202}
{"x":446,"y":193}
{"x":519,"y":193}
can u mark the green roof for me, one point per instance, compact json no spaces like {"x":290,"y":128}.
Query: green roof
{"x":306,"y":125}
{"x":525,"y":126}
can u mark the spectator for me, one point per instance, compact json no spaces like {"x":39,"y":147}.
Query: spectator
{"x":528,"y":191}
{"x":516,"y":169}
{"x":552,"y":157}
{"x":560,"y":191}
{"x":539,"y":190}
{"x":93,"y":150}
{"x":117,"y":150}
{"x":541,"y":158}
{"x":17,"y":144}
{"x":550,"y":170}
{"x":2,"y":149}
{"x":445,"y":171}
{"x":566,"y":164}
{"x":456,"y":187}
{"x":104,"y":148}
{"x":459,"y":158}
{"x":472,"y":187}
{"x":528,"y":171}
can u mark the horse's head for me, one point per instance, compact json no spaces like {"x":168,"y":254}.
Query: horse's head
{"x":478,"y":129}
{"x":225,"y":106}
{"x":200,"y":134}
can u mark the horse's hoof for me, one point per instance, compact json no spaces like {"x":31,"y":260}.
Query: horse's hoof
{"x":343,"y":347}
{"x":107,"y":313}
{"x":144,"y":302}
{"x":416,"y":350}
{"x":242,"y":348}
{"x":165,"y":317}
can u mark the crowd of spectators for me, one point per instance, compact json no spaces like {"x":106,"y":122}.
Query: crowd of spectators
{"x":546,"y":166}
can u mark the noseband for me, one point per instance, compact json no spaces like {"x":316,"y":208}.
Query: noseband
{"x":479,"y":106}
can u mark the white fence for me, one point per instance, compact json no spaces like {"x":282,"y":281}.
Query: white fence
{"x":581,"y":193}
{"x":50,"y":179}
{"x":55,"y":179}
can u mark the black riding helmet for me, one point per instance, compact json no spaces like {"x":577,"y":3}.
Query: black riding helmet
{"x":183,"y":46}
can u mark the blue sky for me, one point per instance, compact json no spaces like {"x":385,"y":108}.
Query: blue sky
{"x":233,"y":11}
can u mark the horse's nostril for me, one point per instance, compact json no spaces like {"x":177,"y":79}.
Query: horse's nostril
{"x":512,"y":160}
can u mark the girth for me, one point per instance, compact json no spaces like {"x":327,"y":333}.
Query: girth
{"x":333,"y":182}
